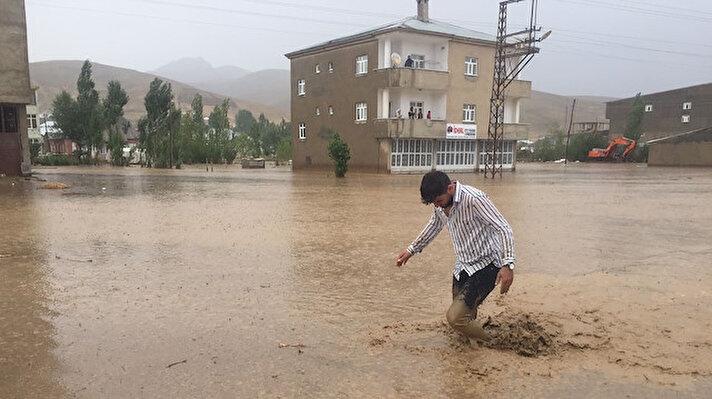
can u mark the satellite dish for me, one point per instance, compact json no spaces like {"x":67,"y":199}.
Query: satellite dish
{"x":396,"y":59}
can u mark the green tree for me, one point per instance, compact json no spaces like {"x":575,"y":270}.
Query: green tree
{"x":284,"y":150}
{"x":154,"y":127}
{"x":89,"y":110}
{"x":340,"y":153}
{"x":244,"y":121}
{"x":221,"y":144}
{"x":113,"y":107}
{"x":81,"y":120}
{"x":634,"y":126}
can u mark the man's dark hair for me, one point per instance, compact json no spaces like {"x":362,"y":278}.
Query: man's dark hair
{"x":434,"y":183}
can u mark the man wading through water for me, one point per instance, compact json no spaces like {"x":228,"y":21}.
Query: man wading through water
{"x":483,"y":241}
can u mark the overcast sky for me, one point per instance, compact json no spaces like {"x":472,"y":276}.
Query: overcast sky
{"x":610,"y":48}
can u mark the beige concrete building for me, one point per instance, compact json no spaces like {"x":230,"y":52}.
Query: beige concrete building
{"x":15,"y":90}
{"x":363,"y":87}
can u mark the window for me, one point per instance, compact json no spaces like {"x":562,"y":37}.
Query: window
{"x":648,"y":107}
{"x":32,"y":121}
{"x":301,"y":87}
{"x":685,"y":119}
{"x":412,"y":154}
{"x":302,"y":131}
{"x":361,"y":112}
{"x":687,"y":105}
{"x":418,"y":61}
{"x":470,"y":66}
{"x":317,"y":112}
{"x":317,"y":69}
{"x":8,"y":119}
{"x":331,"y":110}
{"x":361,"y":64}
{"x":417,"y":107}
{"x":453,"y":154}
{"x":331,"y":67}
{"x":468,"y":113}
{"x":505,"y":154}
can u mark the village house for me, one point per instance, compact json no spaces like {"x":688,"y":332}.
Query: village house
{"x":407,"y":97}
{"x":15,"y":91}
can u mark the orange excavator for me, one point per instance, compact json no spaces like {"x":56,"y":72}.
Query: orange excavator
{"x":612,"y":153}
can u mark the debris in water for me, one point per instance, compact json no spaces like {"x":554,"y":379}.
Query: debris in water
{"x":55,"y":185}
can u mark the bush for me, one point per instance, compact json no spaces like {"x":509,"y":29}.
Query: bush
{"x":57,"y":160}
{"x":340,"y":153}
{"x":581,"y":144}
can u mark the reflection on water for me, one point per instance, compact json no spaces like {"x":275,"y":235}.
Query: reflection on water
{"x":28,"y":366}
{"x":143,"y":269}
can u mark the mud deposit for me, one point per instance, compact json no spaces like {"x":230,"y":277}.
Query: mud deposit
{"x":135,"y":283}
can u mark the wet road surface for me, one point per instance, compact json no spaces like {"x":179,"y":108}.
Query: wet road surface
{"x":184,"y":283}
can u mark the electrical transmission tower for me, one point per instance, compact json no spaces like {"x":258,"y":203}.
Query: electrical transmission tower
{"x":511,"y":56}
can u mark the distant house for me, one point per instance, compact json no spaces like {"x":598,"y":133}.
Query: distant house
{"x":15,"y":92}
{"x":685,"y":149}
{"x":666,"y":113}
{"x":33,"y":127}
{"x":432,"y":113}
{"x":54,"y":140}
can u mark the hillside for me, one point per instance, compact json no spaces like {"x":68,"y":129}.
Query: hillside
{"x":545,"y":111}
{"x":192,"y":70}
{"x":54,"y":76}
{"x":267,"y":91}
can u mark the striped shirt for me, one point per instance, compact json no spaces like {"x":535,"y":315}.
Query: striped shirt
{"x":479,"y":232}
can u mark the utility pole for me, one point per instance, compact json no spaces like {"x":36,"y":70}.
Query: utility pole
{"x":519,"y":52}
{"x":568,"y":134}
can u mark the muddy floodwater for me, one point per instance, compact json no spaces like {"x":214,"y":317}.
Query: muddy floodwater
{"x":137,"y":283}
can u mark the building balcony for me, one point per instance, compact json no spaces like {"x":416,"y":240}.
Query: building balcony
{"x":519,"y":89}
{"x":513,"y":131}
{"x":411,"y":128}
{"x":412,"y":78}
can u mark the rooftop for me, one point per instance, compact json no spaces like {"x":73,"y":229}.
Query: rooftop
{"x":411,"y":24}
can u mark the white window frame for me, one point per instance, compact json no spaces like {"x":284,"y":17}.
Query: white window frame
{"x":301,"y":87}
{"x":648,"y":107}
{"x":331,"y":67}
{"x":361,"y":112}
{"x":469,"y":113}
{"x":687,"y":105}
{"x":318,"y":111}
{"x":331,"y":110}
{"x":470,"y":66}
{"x":317,"y":68}
{"x":418,"y":61}
{"x":362,"y":64}
{"x":32,"y":121}
{"x":302,"y":131}
{"x":685,"y":118}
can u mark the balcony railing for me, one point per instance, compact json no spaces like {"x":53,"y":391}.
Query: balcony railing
{"x":411,"y":128}
{"x":413,"y":78}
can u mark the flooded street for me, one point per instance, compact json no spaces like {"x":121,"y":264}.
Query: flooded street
{"x":184,"y":283}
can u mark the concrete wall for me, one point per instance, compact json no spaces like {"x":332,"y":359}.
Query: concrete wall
{"x":681,"y":154}
{"x":666,"y":117}
{"x":341,"y":89}
{"x":14,"y":66}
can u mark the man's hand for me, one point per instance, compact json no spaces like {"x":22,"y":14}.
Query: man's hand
{"x":403,"y":258}
{"x":505,"y":277}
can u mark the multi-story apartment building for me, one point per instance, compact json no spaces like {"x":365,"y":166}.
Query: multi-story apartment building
{"x":33,"y":123}
{"x":15,"y":90}
{"x":363,"y":87}
{"x":666,"y":113}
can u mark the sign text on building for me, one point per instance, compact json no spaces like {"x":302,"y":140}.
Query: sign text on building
{"x":460,"y":131}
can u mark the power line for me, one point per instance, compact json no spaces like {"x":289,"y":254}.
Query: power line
{"x":637,"y":10}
